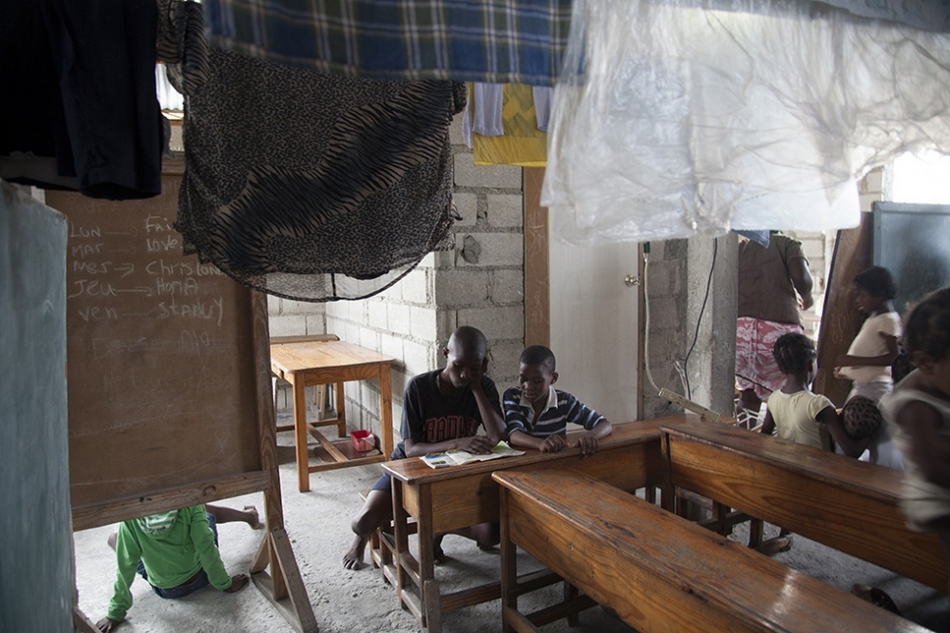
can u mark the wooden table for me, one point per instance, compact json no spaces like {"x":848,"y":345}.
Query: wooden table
{"x":451,"y":498}
{"x":656,"y":571}
{"x":840,"y":502}
{"x":327,"y":362}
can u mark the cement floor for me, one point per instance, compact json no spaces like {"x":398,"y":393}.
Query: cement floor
{"x":361,"y":602}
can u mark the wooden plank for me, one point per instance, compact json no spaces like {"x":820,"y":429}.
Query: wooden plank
{"x":329,"y":355}
{"x":303,"y":338}
{"x":301,"y":429}
{"x":328,"y":446}
{"x":840,"y":319}
{"x":840,"y":502}
{"x":99,"y":514}
{"x":882,"y":483}
{"x":82,"y":623}
{"x":415,"y":471}
{"x":293,"y":581}
{"x":659,"y":572}
{"x":537,"y":326}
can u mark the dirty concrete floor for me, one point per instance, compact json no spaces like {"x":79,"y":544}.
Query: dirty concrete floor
{"x":361,"y":602}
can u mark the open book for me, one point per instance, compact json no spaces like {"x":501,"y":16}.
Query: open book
{"x":456,"y":457}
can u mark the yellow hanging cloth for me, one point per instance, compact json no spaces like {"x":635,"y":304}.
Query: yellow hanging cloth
{"x":522,"y":144}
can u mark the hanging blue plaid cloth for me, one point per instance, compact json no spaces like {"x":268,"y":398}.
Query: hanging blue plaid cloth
{"x":496,"y":41}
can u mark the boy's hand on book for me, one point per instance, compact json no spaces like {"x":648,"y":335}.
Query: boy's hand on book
{"x":477,"y":444}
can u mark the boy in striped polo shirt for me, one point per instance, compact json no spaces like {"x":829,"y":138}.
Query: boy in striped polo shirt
{"x":537,"y":414}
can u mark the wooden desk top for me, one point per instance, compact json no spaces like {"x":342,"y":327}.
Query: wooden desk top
{"x":310,"y":355}
{"x":842,"y":471}
{"x":414,"y":471}
{"x":594,"y":534}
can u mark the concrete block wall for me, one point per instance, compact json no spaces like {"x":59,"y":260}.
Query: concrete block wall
{"x":678,"y":271}
{"x":677,"y":276}
{"x":480,"y":283}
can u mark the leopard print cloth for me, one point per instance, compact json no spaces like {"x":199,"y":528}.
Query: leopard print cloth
{"x":861,"y":417}
{"x":307,"y":185}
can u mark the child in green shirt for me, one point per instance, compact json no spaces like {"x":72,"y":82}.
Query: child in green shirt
{"x":176,"y":552}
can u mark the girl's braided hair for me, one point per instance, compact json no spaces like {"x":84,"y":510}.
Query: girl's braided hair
{"x":928,"y":325}
{"x":792,"y":352}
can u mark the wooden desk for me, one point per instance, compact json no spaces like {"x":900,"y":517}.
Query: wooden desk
{"x":451,"y":498}
{"x":327,"y":362}
{"x":658,"y":572}
{"x":849,"y":505}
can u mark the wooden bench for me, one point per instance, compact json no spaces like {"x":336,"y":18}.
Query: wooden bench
{"x":655,"y":570}
{"x":840,"y":502}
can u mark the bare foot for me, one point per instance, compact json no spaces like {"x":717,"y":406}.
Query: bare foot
{"x":438,"y":555}
{"x":353,"y":558}
{"x":254,"y":520}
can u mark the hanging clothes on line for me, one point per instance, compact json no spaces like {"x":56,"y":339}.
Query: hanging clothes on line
{"x":494,"y":41}
{"x":308,"y":185}
{"x":692,"y":117}
{"x":502,"y":124}
{"x":79,"y":105}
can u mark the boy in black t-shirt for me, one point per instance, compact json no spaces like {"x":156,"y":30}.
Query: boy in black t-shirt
{"x":442,"y":410}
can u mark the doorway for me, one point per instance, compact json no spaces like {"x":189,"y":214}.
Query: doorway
{"x":584,"y":303}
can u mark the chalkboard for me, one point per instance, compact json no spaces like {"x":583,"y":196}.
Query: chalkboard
{"x":36,"y":577}
{"x":911,"y":241}
{"x":166,"y":364}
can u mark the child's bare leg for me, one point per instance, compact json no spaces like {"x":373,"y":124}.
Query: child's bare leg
{"x":749,"y":400}
{"x":486,"y":535}
{"x":438,"y":555}
{"x":377,"y":510}
{"x":224,"y":514}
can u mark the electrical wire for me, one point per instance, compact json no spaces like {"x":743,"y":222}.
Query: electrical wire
{"x":646,"y":318}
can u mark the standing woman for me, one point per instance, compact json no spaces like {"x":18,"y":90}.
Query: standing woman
{"x":868,"y":361}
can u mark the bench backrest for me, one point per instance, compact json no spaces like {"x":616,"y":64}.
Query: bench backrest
{"x":849,"y":505}
{"x":660,"y":572}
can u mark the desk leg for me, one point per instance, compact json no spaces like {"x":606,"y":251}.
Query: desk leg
{"x":431,"y":594}
{"x":386,"y":407}
{"x":340,"y":409}
{"x":433,"y":604}
{"x":509,"y":564}
{"x":401,"y":540}
{"x":300,"y":432}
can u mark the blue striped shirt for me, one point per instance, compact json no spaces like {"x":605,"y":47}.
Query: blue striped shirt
{"x":561,"y":408}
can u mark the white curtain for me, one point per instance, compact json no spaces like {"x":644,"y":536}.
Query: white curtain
{"x":684,"y":117}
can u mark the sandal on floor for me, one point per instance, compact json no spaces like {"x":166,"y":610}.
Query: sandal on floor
{"x":876,"y":597}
